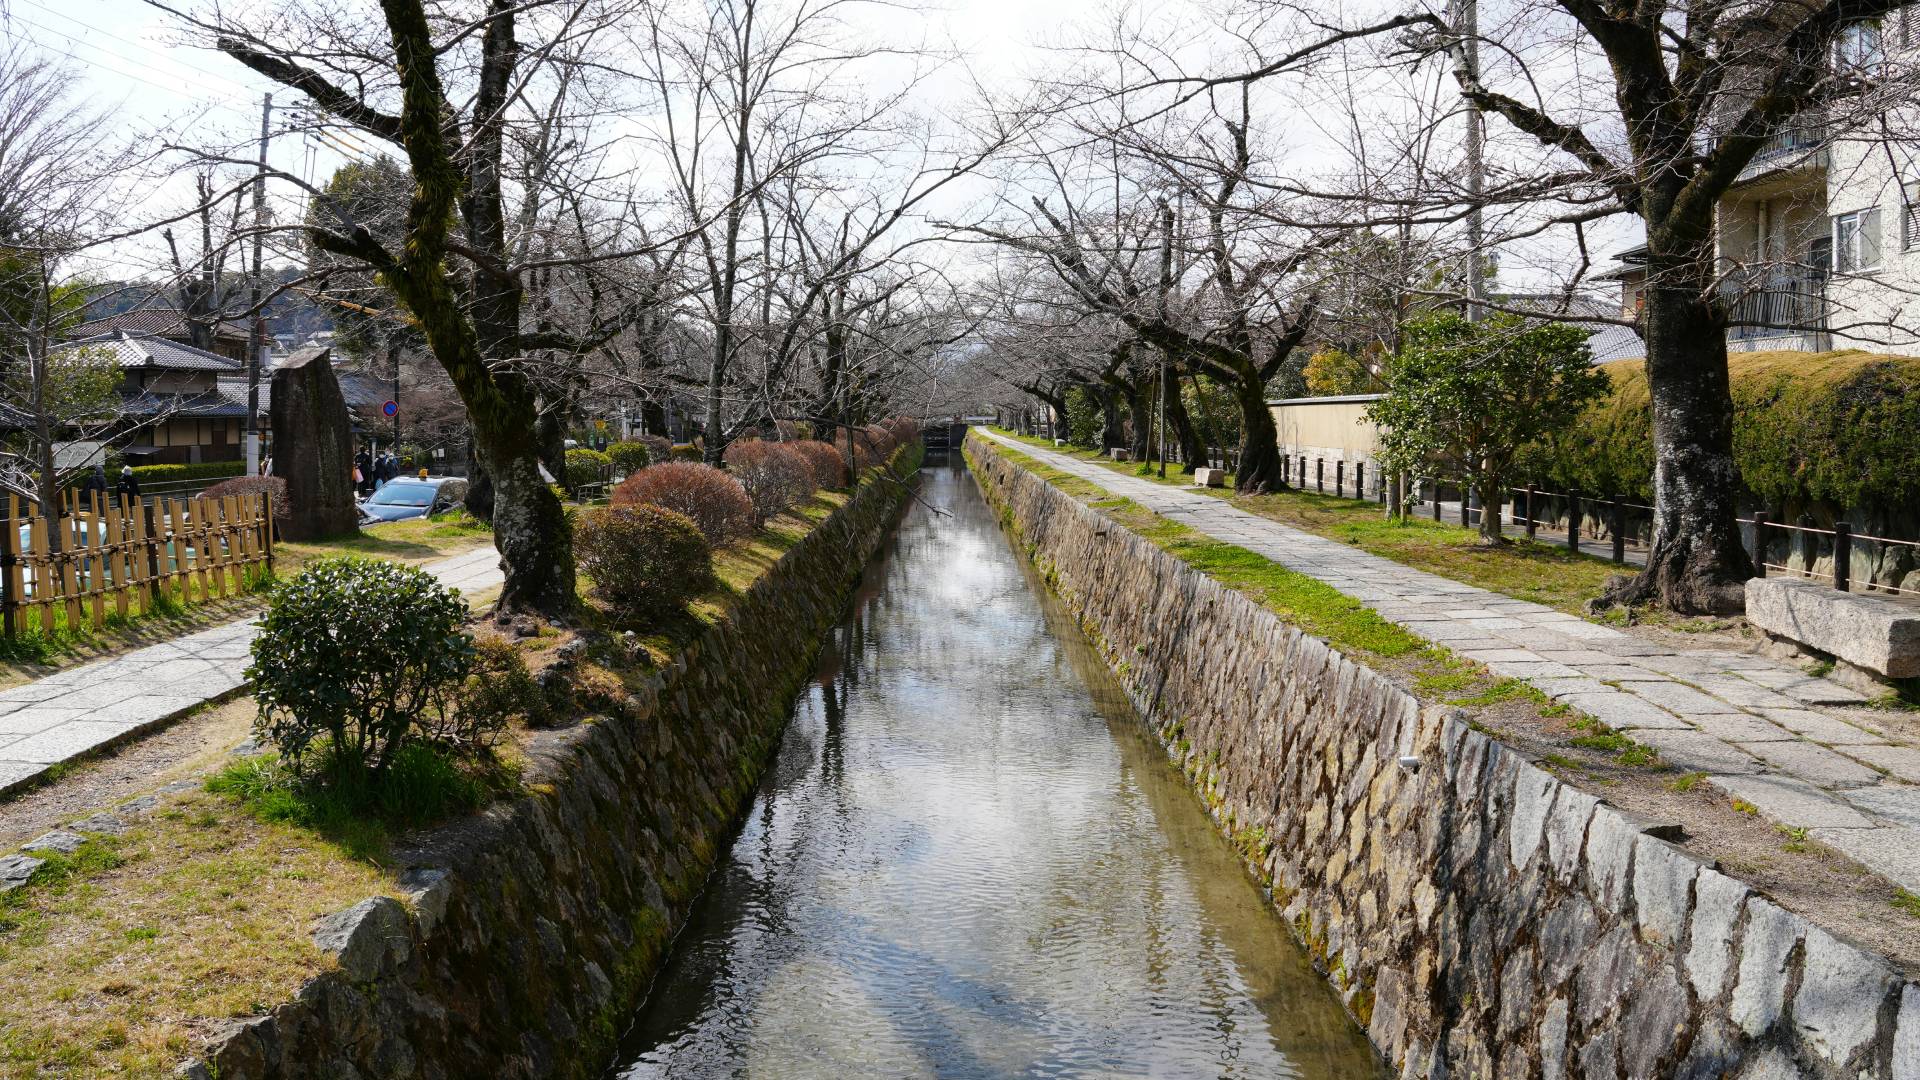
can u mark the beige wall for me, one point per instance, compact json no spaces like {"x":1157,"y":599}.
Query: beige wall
{"x":1333,"y":428}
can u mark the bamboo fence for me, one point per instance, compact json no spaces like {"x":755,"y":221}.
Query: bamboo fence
{"x":113,"y":553}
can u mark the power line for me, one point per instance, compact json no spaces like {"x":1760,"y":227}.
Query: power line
{"x":143,"y":46}
{"x":71,"y":55}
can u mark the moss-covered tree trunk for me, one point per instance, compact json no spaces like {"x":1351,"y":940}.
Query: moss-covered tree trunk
{"x":1259,"y":470}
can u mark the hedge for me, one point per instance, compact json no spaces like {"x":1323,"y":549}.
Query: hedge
{"x":204,"y":470}
{"x":1837,"y":427}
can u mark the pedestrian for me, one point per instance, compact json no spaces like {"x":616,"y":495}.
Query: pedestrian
{"x":95,"y":489}
{"x":129,"y":486}
{"x":363,"y":471}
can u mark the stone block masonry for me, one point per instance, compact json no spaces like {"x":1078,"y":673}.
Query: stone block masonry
{"x":1479,"y":917}
{"x":534,"y":928}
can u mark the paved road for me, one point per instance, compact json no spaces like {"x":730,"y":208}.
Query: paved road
{"x":81,"y":709}
{"x":1762,"y":730}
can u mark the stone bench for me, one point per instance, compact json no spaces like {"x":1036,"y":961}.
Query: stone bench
{"x":1878,"y":633}
{"x":1119,"y":453}
{"x":1206,"y":477}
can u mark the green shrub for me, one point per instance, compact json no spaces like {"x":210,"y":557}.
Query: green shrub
{"x":204,"y":470}
{"x":686,"y":452}
{"x":630,"y":456}
{"x":501,"y":690}
{"x":642,"y":556}
{"x":586,"y":467}
{"x":1834,"y":426}
{"x":355,"y":659}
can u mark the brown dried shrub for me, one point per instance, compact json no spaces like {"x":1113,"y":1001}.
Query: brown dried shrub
{"x":829,"y":471}
{"x":774,"y":475}
{"x":715,"y":502}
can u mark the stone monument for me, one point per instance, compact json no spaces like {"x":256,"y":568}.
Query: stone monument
{"x":313,"y":447}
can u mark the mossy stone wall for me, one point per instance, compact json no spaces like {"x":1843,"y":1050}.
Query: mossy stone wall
{"x":536,"y":926}
{"x":1478,"y":917}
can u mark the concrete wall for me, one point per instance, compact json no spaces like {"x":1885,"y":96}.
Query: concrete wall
{"x":1332,"y":429}
{"x":535,"y":928}
{"x":1479,"y":917}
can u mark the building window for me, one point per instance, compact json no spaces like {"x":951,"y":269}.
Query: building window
{"x":1856,"y":241}
{"x":1857,"y":48}
{"x":1910,"y":216}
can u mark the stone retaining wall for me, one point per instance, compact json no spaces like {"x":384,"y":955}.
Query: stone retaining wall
{"x":532,"y":936}
{"x":1479,"y":917}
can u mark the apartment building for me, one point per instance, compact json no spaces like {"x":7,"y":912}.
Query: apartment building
{"x":1819,"y":239}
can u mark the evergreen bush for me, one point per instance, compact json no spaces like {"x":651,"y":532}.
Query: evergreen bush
{"x":586,"y":467}
{"x":630,"y":456}
{"x":643,"y":557}
{"x":355,"y":659}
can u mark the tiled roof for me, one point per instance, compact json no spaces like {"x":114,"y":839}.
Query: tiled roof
{"x":364,"y":393}
{"x":211,"y":405}
{"x":137,"y":351}
{"x":164,"y":322}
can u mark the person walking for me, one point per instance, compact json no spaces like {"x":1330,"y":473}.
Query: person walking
{"x":129,"y":486}
{"x":363,"y":472}
{"x":94,"y":491}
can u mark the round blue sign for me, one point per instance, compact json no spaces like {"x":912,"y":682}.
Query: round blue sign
{"x":391,"y":408}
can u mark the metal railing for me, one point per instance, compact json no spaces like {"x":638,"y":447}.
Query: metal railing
{"x":1775,"y":305}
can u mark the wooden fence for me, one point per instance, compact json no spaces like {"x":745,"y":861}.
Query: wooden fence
{"x":113,"y":553}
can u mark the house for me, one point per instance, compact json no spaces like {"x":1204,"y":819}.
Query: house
{"x":1818,"y":241}
{"x":171,"y":400}
{"x":230,"y":337}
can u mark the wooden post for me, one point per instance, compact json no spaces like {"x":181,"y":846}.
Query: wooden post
{"x":1465,"y":505}
{"x":266,"y":526}
{"x":43,"y":584}
{"x":1286,"y":466}
{"x":1530,"y":504}
{"x":97,"y":564}
{"x":1842,"y":555}
{"x":1760,"y":543}
{"x":1359,"y":479}
{"x":1573,"y":520}
{"x":1303,"y":472}
{"x":1619,"y":531}
{"x":1320,"y":475}
{"x":1340,"y":478}
{"x":1436,"y":499}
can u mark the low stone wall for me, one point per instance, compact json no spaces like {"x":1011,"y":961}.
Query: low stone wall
{"x":1479,"y":917}
{"x":532,"y":936}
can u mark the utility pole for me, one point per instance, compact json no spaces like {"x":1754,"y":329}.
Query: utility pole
{"x":1466,"y":25}
{"x":1161,"y":378}
{"x":257,"y":344}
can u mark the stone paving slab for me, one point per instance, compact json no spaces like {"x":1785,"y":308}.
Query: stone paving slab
{"x":1760,"y":728}
{"x":85,"y":708}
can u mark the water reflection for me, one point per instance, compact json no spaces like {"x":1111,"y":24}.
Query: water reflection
{"x":968,"y":860}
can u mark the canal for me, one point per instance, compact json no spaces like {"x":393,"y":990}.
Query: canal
{"x":970,"y":860}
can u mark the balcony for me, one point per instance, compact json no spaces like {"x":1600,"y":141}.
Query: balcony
{"x":1784,"y":309}
{"x":1800,"y":143}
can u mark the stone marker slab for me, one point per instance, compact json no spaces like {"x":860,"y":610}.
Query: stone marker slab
{"x":1876,"y":633}
{"x":1208,"y":477}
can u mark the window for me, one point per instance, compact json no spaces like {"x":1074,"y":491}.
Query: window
{"x":1910,"y":216}
{"x":1858,"y":48}
{"x":1856,"y":241}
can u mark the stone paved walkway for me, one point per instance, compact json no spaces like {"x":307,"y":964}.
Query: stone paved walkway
{"x":50,"y":720}
{"x":1762,"y":730}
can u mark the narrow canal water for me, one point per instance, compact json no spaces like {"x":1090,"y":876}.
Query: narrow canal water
{"x":969,"y":860}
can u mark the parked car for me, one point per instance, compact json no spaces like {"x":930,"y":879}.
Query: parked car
{"x":411,"y":497}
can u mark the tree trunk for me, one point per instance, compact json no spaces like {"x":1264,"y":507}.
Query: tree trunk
{"x":1140,"y":411}
{"x":1193,"y":452}
{"x":1488,"y":488}
{"x":1113,"y":427}
{"x":1697,"y":564}
{"x":1259,"y":470}
{"x":479,"y":500}
{"x":529,"y":526}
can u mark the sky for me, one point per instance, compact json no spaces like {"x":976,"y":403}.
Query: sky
{"x":137,"y":65}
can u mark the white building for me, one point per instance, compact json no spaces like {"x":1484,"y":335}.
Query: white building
{"x":1819,"y":239}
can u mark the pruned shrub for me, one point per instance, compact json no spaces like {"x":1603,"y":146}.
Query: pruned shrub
{"x":686,"y":452}
{"x":355,"y":659}
{"x":659,"y":447}
{"x":715,"y":501}
{"x":274,"y":487}
{"x":586,"y":467}
{"x":501,"y":690}
{"x":829,"y":471}
{"x":643,"y":556}
{"x":774,"y":475}
{"x":630,"y":456}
